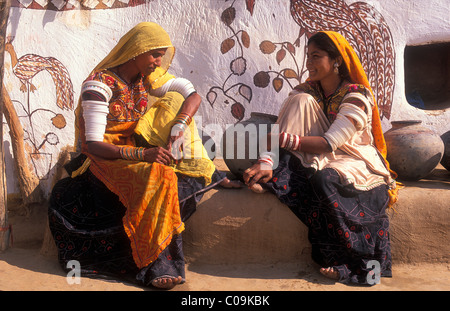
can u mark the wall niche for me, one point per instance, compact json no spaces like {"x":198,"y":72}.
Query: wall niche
{"x":427,"y":76}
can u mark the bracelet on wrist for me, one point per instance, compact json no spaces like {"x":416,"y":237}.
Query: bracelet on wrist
{"x":290,"y":141}
{"x":181,"y":123}
{"x":132,"y":153}
{"x":183,"y":118}
{"x":266,"y":158}
{"x":178,"y":127}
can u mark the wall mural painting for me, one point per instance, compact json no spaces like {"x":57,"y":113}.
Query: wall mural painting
{"x":359,"y":22}
{"x":365,"y":29}
{"x":25,"y":68}
{"x":64,"y":5}
{"x":238,"y":66}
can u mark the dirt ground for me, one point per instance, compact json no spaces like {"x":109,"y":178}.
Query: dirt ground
{"x":24,"y":268}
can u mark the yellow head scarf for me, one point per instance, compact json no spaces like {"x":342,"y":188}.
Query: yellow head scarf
{"x":143,"y":37}
{"x":358,"y":75}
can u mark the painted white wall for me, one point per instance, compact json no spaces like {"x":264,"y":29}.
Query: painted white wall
{"x":416,"y":23}
{"x":80,"y":39}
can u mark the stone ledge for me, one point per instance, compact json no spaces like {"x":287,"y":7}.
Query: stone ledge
{"x":237,"y":226}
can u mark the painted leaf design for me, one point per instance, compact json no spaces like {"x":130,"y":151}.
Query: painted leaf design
{"x":261,"y":79}
{"x":52,"y":139}
{"x":250,"y":5}
{"x":277,"y":84}
{"x":238,"y":66}
{"x":58,"y":72}
{"x":246,"y":92}
{"x":238,"y":111}
{"x":245,"y":39}
{"x":227,"y":45}
{"x":211,"y":97}
{"x":228,"y":15}
{"x":382,"y":75}
{"x":59,"y":121}
{"x":267,"y":47}
{"x":290,"y":74}
{"x":280,"y":55}
{"x":291,"y":48}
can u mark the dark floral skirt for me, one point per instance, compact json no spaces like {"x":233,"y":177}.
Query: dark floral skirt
{"x":85,"y":219}
{"x":348,"y":228}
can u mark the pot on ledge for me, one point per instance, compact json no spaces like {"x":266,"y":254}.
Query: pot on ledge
{"x":242,"y":149}
{"x":413,"y":151}
{"x":446,"y":158}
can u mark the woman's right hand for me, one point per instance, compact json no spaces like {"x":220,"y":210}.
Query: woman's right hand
{"x":159,"y":155}
{"x":257,"y":173}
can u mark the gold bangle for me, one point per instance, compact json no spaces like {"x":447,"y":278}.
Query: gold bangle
{"x":132,"y":153}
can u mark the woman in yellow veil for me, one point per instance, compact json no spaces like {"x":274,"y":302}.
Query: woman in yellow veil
{"x":142,"y":166}
{"x":331,"y":169}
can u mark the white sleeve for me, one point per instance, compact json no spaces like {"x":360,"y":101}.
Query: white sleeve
{"x":180,"y":85}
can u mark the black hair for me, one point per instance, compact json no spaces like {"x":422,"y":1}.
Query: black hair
{"x":324,"y":43}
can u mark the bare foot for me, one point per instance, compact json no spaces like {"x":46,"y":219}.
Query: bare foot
{"x":227,"y":183}
{"x":166,"y":282}
{"x":330,"y":272}
{"x":257,"y":188}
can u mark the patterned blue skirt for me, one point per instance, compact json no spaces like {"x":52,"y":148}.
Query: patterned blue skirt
{"x":347,"y":228}
{"x":85,"y":219}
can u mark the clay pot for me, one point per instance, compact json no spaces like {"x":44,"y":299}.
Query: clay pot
{"x":242,"y":150}
{"x":212,"y":150}
{"x":446,"y":157}
{"x":413,"y":151}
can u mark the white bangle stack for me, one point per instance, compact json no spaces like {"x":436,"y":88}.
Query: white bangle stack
{"x":97,"y":86}
{"x":95,"y":111}
{"x":290,"y":141}
{"x":180,"y":85}
{"x":266,"y":158}
{"x":343,"y":129}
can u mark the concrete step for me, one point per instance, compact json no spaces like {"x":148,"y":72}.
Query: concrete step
{"x":237,"y":226}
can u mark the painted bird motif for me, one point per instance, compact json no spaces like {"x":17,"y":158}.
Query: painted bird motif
{"x":365,"y":29}
{"x":29,"y":65}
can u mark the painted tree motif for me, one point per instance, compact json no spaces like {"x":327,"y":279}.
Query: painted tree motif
{"x":262,"y":78}
{"x":238,"y":66}
{"x":25,"y":68}
{"x":367,"y":32}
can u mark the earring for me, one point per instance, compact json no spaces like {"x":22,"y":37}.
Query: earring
{"x":336,"y":68}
